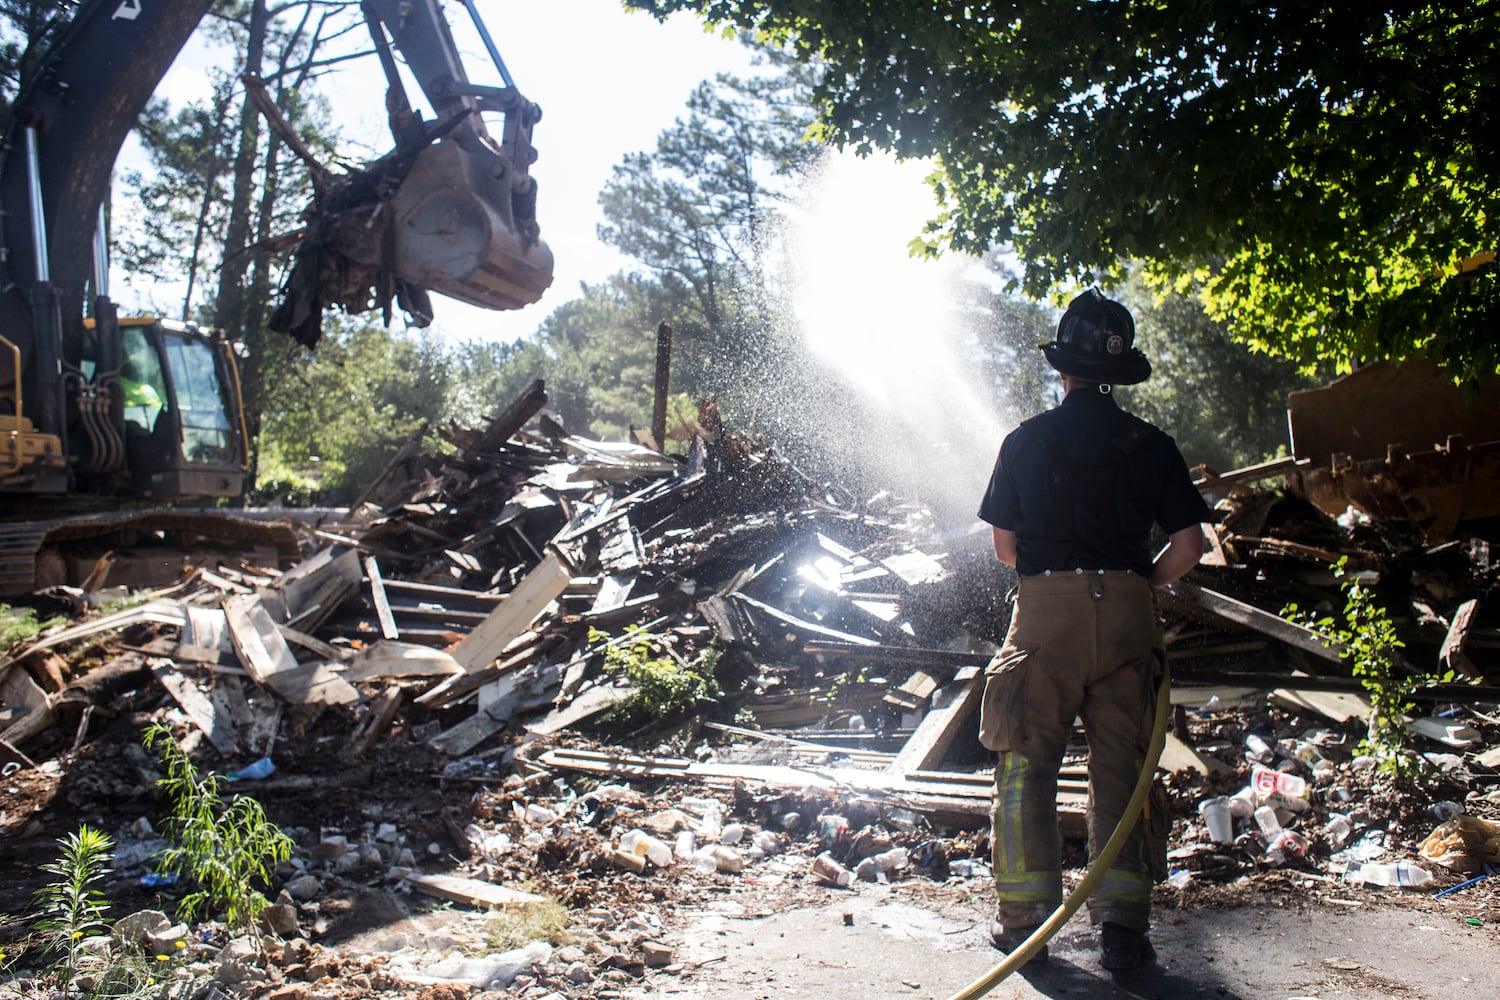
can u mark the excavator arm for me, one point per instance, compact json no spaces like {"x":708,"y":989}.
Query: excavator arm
{"x":102,"y":410}
{"x":449,"y":210}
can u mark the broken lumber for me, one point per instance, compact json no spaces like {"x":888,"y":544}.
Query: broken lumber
{"x":199,"y":708}
{"x":483,"y":895}
{"x":1452,"y":654}
{"x":939,"y":727}
{"x":515,"y":613}
{"x":1186,"y":598}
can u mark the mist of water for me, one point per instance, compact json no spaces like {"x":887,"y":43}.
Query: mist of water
{"x":890,"y":390}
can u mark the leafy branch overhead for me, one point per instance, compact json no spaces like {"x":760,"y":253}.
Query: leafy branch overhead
{"x":1317,"y":173}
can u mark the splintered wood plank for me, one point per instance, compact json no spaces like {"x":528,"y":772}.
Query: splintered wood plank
{"x":262,"y":649}
{"x":939,"y":727}
{"x":217,"y":726}
{"x":265,"y":653}
{"x":400,"y":659}
{"x":1178,"y":756}
{"x":1331,"y":705}
{"x":388,"y":629}
{"x":590,"y":703}
{"x":314,"y":589}
{"x":483,"y":895}
{"x":376,"y":721}
{"x":1185,"y":596}
{"x":1452,"y":655}
{"x":512,"y":616}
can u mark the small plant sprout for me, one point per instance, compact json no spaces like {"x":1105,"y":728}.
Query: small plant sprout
{"x":228,"y":848}
{"x":665,"y":686}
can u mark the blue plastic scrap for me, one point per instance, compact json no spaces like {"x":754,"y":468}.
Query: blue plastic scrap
{"x":262,"y":768}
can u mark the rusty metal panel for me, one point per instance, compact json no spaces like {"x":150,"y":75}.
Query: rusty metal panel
{"x":1414,"y":405}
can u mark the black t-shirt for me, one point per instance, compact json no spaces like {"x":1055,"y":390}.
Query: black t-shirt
{"x":1082,"y":484}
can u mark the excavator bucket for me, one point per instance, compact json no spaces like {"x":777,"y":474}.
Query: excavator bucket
{"x":458,"y":232}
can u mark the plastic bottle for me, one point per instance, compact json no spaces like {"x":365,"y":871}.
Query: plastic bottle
{"x":767,"y":841}
{"x":262,"y":768}
{"x":685,"y":845}
{"x":1267,"y":782}
{"x":642,"y":844}
{"x":1402,"y":873}
{"x":732,"y":834}
{"x":830,"y":828}
{"x":540,"y":815}
{"x":710,"y":827}
{"x":1265,"y":818}
{"x":1259,"y":749}
{"x":1338,"y":829}
{"x":893,"y":860}
{"x":1288,"y":845}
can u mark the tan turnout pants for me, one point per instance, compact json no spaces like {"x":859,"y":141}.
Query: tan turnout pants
{"x":1080,"y":646}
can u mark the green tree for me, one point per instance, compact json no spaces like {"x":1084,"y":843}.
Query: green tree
{"x":1319,"y":168}
{"x":333,"y":422}
{"x":695,"y":213}
{"x":1225,"y":403}
{"x":27,"y":27}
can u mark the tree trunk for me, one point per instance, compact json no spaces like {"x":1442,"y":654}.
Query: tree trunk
{"x":232,"y":313}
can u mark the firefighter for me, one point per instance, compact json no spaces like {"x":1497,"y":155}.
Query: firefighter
{"x":1071,"y":504}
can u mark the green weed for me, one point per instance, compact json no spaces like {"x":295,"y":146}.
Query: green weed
{"x":69,"y":908}
{"x":18,"y":625}
{"x":517,"y":927}
{"x":664,"y":687}
{"x":229,"y":849}
{"x":1372,"y":648}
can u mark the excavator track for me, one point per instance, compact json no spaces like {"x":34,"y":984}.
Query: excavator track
{"x":37,"y":554}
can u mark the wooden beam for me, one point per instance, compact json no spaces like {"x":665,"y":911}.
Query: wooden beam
{"x":1452,"y":655}
{"x":388,"y":627}
{"x":514,"y":615}
{"x":1188,"y":597}
{"x":377,"y":720}
{"x":511,"y":419}
{"x":198,"y":707}
{"x":266,"y":655}
{"x":483,"y":895}
{"x":939,"y":728}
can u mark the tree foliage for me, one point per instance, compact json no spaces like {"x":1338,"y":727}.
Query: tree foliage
{"x":335,"y":419}
{"x":1314,"y":172}
{"x":1218,"y":421}
{"x":695,"y":211}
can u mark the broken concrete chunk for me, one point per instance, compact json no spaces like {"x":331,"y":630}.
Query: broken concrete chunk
{"x":304,"y":888}
{"x":136,"y":929}
{"x":280,"y":919}
{"x":655,"y":954}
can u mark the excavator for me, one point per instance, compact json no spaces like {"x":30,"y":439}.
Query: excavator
{"x":99,"y":411}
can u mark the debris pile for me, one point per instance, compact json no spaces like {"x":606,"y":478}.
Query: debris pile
{"x":617,"y":677}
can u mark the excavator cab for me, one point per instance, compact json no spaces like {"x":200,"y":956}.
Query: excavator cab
{"x":178,"y":395}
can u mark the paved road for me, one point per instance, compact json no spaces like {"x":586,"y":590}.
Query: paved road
{"x":891,"y":949}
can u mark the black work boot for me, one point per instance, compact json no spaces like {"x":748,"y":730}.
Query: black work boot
{"x":1122,"y":949}
{"x":1009,"y":939}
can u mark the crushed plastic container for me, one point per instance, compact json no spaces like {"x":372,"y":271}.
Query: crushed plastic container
{"x":1267,"y":782}
{"x":1401,"y":873}
{"x":829,"y":870}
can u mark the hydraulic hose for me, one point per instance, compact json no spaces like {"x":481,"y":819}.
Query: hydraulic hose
{"x":1097,"y":870}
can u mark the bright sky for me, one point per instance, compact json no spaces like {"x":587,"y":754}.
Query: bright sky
{"x":608,"y":82}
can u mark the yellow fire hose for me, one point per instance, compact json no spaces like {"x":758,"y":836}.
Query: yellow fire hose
{"x":1097,"y":870}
